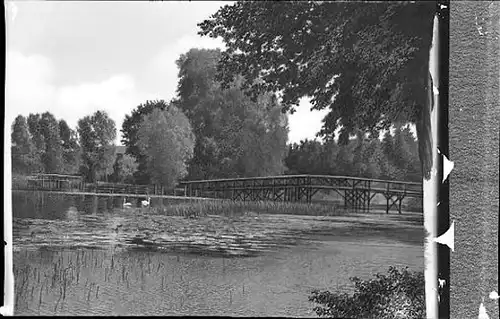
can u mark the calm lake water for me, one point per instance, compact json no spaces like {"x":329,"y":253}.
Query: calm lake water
{"x":74,"y":256}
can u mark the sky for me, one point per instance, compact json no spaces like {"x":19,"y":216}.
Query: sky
{"x":74,"y":58}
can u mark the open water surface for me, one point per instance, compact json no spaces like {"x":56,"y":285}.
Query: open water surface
{"x":71,"y":258}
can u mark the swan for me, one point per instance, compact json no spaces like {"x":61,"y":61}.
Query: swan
{"x":146,"y":203}
{"x":125,"y":204}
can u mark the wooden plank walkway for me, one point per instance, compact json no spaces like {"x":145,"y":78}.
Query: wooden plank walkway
{"x":141,"y":196}
{"x":356,"y":192}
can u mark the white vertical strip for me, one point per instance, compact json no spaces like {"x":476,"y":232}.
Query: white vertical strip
{"x":431,"y":189}
{"x":8,"y":288}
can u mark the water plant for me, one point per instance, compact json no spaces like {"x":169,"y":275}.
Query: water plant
{"x":195,"y":209}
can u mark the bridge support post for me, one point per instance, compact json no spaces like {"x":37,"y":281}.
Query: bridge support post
{"x":387,"y":206}
{"x":95,"y":203}
{"x":345,"y":199}
{"x":400,"y":197}
{"x":111,"y":203}
{"x":118,"y":201}
{"x":356,"y":200}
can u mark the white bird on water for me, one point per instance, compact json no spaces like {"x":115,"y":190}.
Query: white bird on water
{"x":146,"y":203}
{"x":125,"y":204}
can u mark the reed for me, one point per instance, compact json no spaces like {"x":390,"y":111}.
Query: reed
{"x":229,"y":208}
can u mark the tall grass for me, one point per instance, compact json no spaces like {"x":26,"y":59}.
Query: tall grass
{"x":247,"y":208}
{"x":80,"y":277}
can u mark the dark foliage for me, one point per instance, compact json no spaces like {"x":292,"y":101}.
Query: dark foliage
{"x":130,"y":129}
{"x":400,"y":294}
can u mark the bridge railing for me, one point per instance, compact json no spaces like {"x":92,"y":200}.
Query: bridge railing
{"x":33,"y":183}
{"x":294,"y":180}
{"x":223,"y":187}
{"x":65,"y":185}
{"x":396,"y":186}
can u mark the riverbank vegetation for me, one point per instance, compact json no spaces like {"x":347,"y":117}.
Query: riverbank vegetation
{"x":200,"y":153}
{"x":246,"y":208}
{"x":397,"y":295}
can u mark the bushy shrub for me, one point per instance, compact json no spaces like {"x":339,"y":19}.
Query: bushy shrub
{"x":398,"y":295}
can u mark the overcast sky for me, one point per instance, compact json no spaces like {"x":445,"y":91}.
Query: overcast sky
{"x":73,"y":58}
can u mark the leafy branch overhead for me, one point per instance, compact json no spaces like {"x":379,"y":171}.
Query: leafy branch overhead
{"x":366,"y":62}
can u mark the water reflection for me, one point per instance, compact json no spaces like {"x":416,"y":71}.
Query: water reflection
{"x":68,"y":221}
{"x":55,"y":221}
{"x":151,"y":264}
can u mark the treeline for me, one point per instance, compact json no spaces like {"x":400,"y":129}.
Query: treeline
{"x":233,"y":135}
{"x":395,"y":157}
{"x":207,"y":131}
{"x":40,"y":143}
{"x":43,"y":144}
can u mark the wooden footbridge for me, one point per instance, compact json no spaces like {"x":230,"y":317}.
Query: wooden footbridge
{"x":357,"y":193}
{"x":68,"y":184}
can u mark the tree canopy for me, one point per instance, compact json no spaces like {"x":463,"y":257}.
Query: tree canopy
{"x":52,"y":145}
{"x":393,"y":158}
{"x":166,"y":141}
{"x":71,"y":152}
{"x":52,"y":154}
{"x":130,"y":129}
{"x":25,"y":159}
{"x":43,"y":144}
{"x":97,"y":139}
{"x":36,"y":133}
{"x":366,"y":62}
{"x":236,"y":136}
{"x":124,"y":169}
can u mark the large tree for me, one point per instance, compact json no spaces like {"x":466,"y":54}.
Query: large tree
{"x":305,"y":158}
{"x":236,"y":137}
{"x":71,"y":153}
{"x":124,"y":169}
{"x":53,"y":155}
{"x":36,"y":133}
{"x":166,"y":141}
{"x":405,"y":148}
{"x":97,"y":139}
{"x":25,"y":159}
{"x":366,"y":62}
{"x":130,"y":129}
